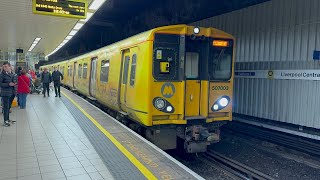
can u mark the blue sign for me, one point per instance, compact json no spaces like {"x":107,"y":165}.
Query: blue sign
{"x":245,"y":74}
{"x":316,"y":55}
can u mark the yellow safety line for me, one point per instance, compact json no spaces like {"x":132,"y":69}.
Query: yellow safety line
{"x":145,"y":171}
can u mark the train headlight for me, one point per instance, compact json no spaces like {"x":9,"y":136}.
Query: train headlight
{"x":196,"y":30}
{"x":215,"y":107}
{"x":163,"y":105}
{"x":223,"y":102}
{"x":159,"y":103}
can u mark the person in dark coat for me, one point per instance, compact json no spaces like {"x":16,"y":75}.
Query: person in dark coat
{"x":7,"y":90}
{"x":15,"y":80}
{"x":57,"y":77}
{"x":46,"y":79}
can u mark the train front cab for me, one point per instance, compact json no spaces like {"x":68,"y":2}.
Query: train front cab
{"x":193,"y":82}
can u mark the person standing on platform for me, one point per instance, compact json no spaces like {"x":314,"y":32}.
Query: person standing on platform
{"x":46,"y":79}
{"x":56,"y":74}
{"x":23,"y":88}
{"x":7,"y":90}
{"x":15,"y":80}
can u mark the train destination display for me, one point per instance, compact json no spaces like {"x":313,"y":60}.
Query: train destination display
{"x":65,"y":8}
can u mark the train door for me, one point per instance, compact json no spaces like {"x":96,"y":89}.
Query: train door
{"x":193,"y":85}
{"x":130,"y":84}
{"x":74,"y":74}
{"x":124,"y":78}
{"x":93,"y":77}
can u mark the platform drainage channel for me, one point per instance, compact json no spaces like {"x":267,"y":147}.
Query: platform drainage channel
{"x":119,"y":166}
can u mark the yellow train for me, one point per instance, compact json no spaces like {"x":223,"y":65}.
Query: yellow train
{"x":175,"y":81}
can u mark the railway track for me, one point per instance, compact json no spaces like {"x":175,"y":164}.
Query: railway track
{"x":292,"y":141}
{"x":236,"y":168}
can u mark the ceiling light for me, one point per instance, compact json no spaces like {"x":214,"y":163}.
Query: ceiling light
{"x":35,"y":42}
{"x":78,"y":26}
{"x":68,"y":37}
{"x":95,"y":5}
{"x":65,"y":41}
{"x":73,"y":32}
{"x":89,"y":15}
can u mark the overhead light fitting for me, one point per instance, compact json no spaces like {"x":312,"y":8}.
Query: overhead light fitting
{"x":95,"y":5}
{"x":73,"y":32}
{"x":33,"y":45}
{"x":78,"y":26}
{"x":68,"y":37}
{"x":89,"y":15}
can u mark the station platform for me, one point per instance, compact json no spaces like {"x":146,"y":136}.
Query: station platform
{"x":68,"y":138}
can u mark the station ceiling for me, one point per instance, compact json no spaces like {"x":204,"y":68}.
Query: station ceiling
{"x":120,"y":18}
{"x":19,"y":27}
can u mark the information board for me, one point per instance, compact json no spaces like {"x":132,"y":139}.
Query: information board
{"x":65,"y":8}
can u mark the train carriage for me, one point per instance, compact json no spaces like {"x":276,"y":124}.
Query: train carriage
{"x":175,"y":81}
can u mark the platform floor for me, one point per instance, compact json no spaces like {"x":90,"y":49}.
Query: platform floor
{"x":68,"y":138}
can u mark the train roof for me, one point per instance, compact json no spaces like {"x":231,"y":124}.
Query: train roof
{"x":145,"y":36}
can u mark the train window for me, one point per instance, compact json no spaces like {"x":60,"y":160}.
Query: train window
{"x":62,"y":70}
{"x":69,"y":71}
{"x":220,"y":64}
{"x":166,"y":63}
{"x":79,"y":71}
{"x":125,"y":70}
{"x":104,"y":74}
{"x":133,"y":69}
{"x":85,"y":71}
{"x":192,"y":65}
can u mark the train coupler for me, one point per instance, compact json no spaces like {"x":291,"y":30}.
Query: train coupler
{"x":197,"y":138}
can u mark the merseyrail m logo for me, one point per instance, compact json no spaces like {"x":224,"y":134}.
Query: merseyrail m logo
{"x":168,"y":90}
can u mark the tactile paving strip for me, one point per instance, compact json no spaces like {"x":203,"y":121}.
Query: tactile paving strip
{"x":119,"y":166}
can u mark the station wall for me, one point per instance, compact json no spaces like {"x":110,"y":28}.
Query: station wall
{"x":276,"y":35}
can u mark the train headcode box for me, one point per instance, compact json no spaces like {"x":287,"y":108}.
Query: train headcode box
{"x":65,"y":8}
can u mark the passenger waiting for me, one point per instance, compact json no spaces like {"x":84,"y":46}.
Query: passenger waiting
{"x":7,"y":90}
{"x":23,"y":88}
{"x":46,"y":79}
{"x":57,"y":77}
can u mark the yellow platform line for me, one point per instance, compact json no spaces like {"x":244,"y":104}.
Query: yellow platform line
{"x":145,"y":171}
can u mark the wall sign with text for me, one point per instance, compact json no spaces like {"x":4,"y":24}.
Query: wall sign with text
{"x":310,"y":74}
{"x":65,"y":8}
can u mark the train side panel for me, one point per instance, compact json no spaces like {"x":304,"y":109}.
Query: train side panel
{"x":68,"y":76}
{"x":108,"y":82}
{"x":81,"y":78}
{"x":136,"y":90}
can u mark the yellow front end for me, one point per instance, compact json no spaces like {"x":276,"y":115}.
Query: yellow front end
{"x":192,"y":83}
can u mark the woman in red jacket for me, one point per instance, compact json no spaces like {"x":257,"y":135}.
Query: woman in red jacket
{"x":23,"y":88}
